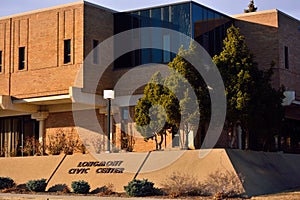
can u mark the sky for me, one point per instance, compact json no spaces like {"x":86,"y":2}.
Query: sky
{"x":229,"y":7}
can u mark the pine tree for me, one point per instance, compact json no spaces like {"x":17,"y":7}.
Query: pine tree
{"x":251,"y":99}
{"x":251,"y":7}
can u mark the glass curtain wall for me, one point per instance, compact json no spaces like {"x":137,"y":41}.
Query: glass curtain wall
{"x":209,"y":28}
{"x":206,"y":26}
{"x":176,"y":17}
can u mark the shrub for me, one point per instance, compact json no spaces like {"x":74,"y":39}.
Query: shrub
{"x":32,"y":146}
{"x":59,"y":188}
{"x":224,"y":184}
{"x":179,"y":184}
{"x":107,"y":189}
{"x":80,"y":187}
{"x":36,"y":185}
{"x":6,"y":182}
{"x":64,"y":141}
{"x":140,"y":188}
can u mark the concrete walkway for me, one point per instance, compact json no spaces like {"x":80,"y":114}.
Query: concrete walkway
{"x":8,"y":196}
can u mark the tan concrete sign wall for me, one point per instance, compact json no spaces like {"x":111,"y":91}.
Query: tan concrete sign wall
{"x":23,"y":169}
{"x":263,"y":172}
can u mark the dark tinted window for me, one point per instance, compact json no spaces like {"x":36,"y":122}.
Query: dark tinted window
{"x":67,"y":51}
{"x":95,"y":52}
{"x":0,"y":61}
{"x":286,"y":57}
{"x":21,"y":58}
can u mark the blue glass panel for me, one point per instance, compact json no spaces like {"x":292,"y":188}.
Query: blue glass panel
{"x":156,"y":17}
{"x":156,"y":40}
{"x":156,"y":13}
{"x":197,"y":13}
{"x":166,"y":14}
{"x":210,"y":15}
{"x":145,"y":18}
{"x":166,"y":48}
{"x":180,"y":17}
{"x":208,"y":28}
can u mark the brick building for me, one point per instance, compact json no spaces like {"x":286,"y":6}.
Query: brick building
{"x":42,"y":53}
{"x":273,"y":37}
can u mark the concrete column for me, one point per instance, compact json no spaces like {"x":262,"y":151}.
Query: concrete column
{"x":41,"y":117}
{"x":191,"y":140}
{"x":41,"y":130}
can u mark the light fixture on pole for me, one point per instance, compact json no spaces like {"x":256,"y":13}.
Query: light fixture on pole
{"x":109,"y":95}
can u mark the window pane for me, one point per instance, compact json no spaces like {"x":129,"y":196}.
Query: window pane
{"x":95,"y":52}
{"x":21,"y":58}
{"x":125,"y":114}
{"x":166,"y":14}
{"x":166,"y":48}
{"x":145,"y":18}
{"x":286,"y":57}
{"x":156,"y":13}
{"x":0,"y":61}
{"x":156,"y":17}
{"x":67,"y":51}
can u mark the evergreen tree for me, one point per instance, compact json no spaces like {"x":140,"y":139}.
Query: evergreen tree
{"x":251,"y":7}
{"x":155,"y":111}
{"x":175,"y":97}
{"x":251,"y":99}
{"x":183,"y":76}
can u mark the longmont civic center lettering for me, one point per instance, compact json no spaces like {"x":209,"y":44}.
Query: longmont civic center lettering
{"x":101,"y":167}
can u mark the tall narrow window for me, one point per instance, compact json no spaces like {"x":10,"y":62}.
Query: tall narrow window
{"x":286,"y":57}
{"x":67,"y":51}
{"x":125,"y":113}
{"x":0,"y":61}
{"x":95,"y":52}
{"x":21,"y":58}
{"x":166,"y":48}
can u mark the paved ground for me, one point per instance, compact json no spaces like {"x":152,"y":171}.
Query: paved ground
{"x":6,"y":196}
{"x":282,"y":196}
{"x":61,"y":197}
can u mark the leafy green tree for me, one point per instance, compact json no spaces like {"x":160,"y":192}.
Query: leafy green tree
{"x":184,"y":80}
{"x":174,"y":104}
{"x":266,"y":112}
{"x":250,"y":96}
{"x":153,"y":113}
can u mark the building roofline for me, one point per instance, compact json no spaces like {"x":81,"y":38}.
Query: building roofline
{"x":254,"y":13}
{"x":99,"y":6}
{"x":263,"y":12}
{"x":172,"y":4}
{"x":42,"y":10}
{"x":211,"y":9}
{"x":287,"y":15}
{"x":156,"y":6}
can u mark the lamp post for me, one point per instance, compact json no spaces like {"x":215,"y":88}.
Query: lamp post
{"x":109,"y":95}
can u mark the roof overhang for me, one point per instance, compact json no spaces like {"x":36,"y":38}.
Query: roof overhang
{"x":75,"y":100}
